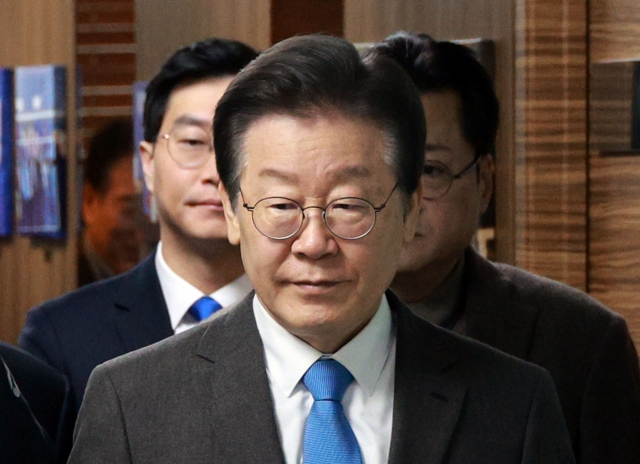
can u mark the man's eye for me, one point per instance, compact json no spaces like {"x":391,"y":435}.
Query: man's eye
{"x":433,"y":170}
{"x":193,"y":142}
{"x":347,"y":206}
{"x":279,"y":207}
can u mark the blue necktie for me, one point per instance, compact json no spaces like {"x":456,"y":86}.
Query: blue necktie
{"x":328,"y":437}
{"x":203,"y":308}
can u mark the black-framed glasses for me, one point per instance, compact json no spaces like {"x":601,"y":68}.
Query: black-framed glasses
{"x":438,"y":178}
{"x":190,"y":146}
{"x":281,"y":218}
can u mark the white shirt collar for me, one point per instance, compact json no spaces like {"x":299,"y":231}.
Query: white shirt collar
{"x":288,"y":357}
{"x":179,"y":294}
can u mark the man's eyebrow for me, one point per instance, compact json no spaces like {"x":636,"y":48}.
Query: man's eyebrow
{"x":436,"y":147}
{"x":346,"y":173}
{"x":276,"y":174}
{"x":190,"y":120}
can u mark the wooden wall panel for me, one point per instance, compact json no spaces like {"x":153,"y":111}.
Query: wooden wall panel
{"x":614,"y":200}
{"x":372,"y":20}
{"x":614,"y":30}
{"x":162,"y":27}
{"x":551,"y":139}
{"x":614,"y":245}
{"x":38,"y":32}
{"x":294,"y":17}
{"x":106,"y":54}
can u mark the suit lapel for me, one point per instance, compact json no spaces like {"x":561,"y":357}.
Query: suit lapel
{"x":494,"y":313}
{"x":427,"y":402}
{"x":234,"y":375}
{"x":140,"y":314}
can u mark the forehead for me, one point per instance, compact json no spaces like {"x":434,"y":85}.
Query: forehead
{"x":320,"y":149}
{"x":444,"y":132}
{"x":196,"y":100}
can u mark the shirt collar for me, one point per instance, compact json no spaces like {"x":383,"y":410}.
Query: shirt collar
{"x":288,"y":357}
{"x":179,"y":294}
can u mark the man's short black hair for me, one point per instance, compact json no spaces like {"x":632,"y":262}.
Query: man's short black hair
{"x":209,"y":58}
{"x":440,"y":65}
{"x":111,"y":143}
{"x":309,"y":75}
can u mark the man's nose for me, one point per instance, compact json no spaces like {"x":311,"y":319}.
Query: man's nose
{"x":314,"y":239}
{"x":209,"y":170}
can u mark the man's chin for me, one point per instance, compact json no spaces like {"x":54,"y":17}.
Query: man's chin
{"x":413,"y":259}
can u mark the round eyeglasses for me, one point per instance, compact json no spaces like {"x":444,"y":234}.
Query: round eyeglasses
{"x":281,"y":218}
{"x":189,"y":145}
{"x":437,"y":178}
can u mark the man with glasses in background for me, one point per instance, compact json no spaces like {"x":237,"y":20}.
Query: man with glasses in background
{"x":319,"y":155}
{"x":194,"y":270}
{"x":586,"y":348}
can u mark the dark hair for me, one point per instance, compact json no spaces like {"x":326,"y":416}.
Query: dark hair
{"x":439,"y":65}
{"x":206,"y":59}
{"x":307,"y":75}
{"x":112,"y":142}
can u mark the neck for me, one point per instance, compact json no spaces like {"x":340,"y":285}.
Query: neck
{"x":207,"y":264}
{"x":416,"y":286}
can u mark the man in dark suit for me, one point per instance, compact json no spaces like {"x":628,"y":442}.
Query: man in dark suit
{"x":586,"y":348}
{"x":35,"y":426}
{"x":320,"y":155}
{"x":194,"y":269}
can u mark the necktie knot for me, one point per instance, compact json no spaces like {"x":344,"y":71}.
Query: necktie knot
{"x":203,"y":308}
{"x":327,"y":379}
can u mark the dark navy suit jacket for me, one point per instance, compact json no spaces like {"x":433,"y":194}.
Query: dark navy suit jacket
{"x":77,"y":331}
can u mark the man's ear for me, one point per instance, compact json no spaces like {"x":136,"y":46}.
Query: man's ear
{"x":412,"y":213}
{"x":487,"y":168}
{"x":233,"y":225}
{"x":146,"y":156}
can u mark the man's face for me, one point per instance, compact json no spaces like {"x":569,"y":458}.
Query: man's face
{"x":319,"y":287}
{"x":111,"y":218}
{"x":187,"y":199}
{"x":447,"y":224}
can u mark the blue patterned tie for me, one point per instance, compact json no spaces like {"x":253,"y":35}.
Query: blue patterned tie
{"x":328,"y":437}
{"x":203,"y":308}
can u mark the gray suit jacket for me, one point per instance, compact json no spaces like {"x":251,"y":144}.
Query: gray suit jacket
{"x":203,"y":397}
{"x":586,"y":348}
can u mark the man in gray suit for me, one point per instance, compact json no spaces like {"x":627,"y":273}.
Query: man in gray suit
{"x":586,"y":348}
{"x":319,"y":155}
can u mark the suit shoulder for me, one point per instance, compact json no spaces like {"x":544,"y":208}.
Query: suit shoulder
{"x":473,"y":358}
{"x":166,"y":353}
{"x":24,"y":365}
{"x":89,"y":298}
{"x":553,"y":296}
{"x":169,"y":355}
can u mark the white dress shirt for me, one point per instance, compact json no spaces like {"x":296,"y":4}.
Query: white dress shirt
{"x":180,"y":294}
{"x":368,"y":402}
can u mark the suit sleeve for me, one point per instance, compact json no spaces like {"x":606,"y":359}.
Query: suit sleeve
{"x":100,"y":435}
{"x":610,"y":415}
{"x":546,"y":439}
{"x":38,"y":337}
